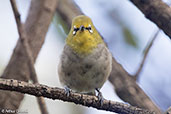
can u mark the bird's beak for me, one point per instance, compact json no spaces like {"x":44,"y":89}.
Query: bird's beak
{"x":81,"y":28}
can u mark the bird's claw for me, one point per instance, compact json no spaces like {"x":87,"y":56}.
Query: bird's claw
{"x":67,"y":91}
{"x":100,"y":97}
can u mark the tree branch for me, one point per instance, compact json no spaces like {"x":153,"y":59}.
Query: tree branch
{"x":24,"y":41}
{"x":147,"y":49}
{"x":36,"y":26}
{"x":125,"y":86}
{"x":57,"y":93}
{"x":157,"y":11}
{"x":136,"y":76}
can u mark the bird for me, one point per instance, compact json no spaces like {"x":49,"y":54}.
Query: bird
{"x":85,"y":62}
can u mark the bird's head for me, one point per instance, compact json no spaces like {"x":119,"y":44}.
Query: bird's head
{"x":83,"y":37}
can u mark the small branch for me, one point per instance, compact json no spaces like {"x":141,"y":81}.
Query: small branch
{"x":57,"y":93}
{"x":147,"y":49}
{"x":39,"y":17}
{"x":68,"y":10}
{"x":42,"y":105}
{"x":157,"y":11}
{"x":24,"y":41}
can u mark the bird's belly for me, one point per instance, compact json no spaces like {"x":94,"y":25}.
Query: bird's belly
{"x":85,"y":74}
{"x":86,"y":79}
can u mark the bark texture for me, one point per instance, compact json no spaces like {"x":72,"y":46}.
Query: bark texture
{"x":57,"y":93}
{"x":36,"y":26}
{"x":157,"y":11}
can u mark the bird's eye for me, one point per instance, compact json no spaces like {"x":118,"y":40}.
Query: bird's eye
{"x":89,"y":29}
{"x":75,"y":30}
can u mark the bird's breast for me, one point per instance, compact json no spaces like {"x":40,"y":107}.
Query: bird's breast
{"x":85,"y":73}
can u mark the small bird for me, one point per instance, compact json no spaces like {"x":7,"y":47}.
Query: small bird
{"x":86,"y":62}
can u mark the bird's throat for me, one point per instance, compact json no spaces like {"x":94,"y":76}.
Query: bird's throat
{"x":83,"y":45}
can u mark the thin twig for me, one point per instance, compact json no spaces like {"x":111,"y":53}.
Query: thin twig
{"x":27,"y":49}
{"x":57,"y":93}
{"x":147,"y":49}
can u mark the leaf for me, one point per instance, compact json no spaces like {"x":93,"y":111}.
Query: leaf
{"x":129,"y":37}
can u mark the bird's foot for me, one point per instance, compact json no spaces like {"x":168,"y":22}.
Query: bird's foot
{"x":67,"y":91}
{"x":100,"y":97}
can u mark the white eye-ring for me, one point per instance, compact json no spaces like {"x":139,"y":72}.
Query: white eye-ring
{"x":75,"y":30}
{"x":90,"y":30}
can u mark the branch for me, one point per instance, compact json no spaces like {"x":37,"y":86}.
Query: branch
{"x":137,"y":74}
{"x":24,"y":41}
{"x":57,"y":93}
{"x":125,"y":86}
{"x":36,"y":26}
{"x":68,"y":10}
{"x":157,"y":11}
{"x":128,"y":90}
{"x":145,"y":55}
